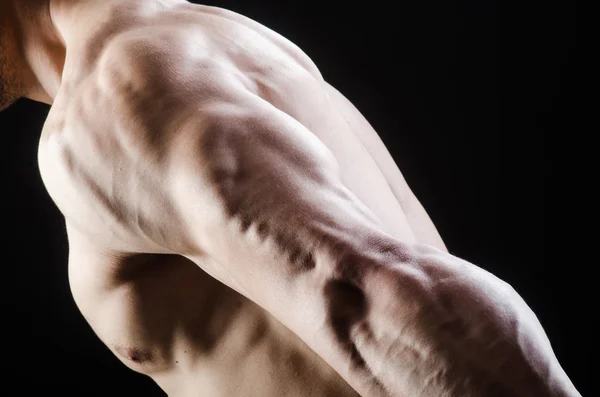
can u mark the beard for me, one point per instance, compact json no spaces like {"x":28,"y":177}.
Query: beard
{"x":10,"y":87}
{"x":6,"y":97}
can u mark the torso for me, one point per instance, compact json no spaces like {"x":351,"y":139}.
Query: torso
{"x":161,"y":314}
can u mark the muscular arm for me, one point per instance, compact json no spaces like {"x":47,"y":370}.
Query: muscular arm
{"x":256,"y":200}
{"x":269,"y":216}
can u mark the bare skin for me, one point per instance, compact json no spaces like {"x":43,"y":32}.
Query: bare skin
{"x":237,"y":228}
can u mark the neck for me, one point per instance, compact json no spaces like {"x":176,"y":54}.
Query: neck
{"x":49,"y":27}
{"x":42,"y":49}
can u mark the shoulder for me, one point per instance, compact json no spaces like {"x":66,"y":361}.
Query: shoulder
{"x":145,"y":60}
{"x":148,"y":79}
{"x":285,"y":44}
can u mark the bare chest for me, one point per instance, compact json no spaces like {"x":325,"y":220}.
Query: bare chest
{"x":100,"y":190}
{"x":161,"y":315}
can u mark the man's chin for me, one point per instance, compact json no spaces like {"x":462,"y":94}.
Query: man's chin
{"x":5,"y":104}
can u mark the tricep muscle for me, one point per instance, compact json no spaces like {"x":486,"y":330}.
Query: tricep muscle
{"x":418,"y":218}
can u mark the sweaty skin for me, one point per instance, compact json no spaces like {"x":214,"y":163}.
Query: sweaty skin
{"x":237,"y":228}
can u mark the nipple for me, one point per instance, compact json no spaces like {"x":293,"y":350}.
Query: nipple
{"x":133,"y":354}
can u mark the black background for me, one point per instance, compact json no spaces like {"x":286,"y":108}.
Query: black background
{"x":463,"y":94}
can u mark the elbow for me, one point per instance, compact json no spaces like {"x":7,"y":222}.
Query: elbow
{"x":346,"y":306}
{"x":361,"y":276}
{"x":364,"y":287}
{"x":347,"y":310}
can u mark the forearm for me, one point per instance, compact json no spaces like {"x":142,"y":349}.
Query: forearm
{"x":435,"y":325}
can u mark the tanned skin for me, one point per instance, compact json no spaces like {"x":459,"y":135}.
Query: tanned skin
{"x":237,"y":228}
